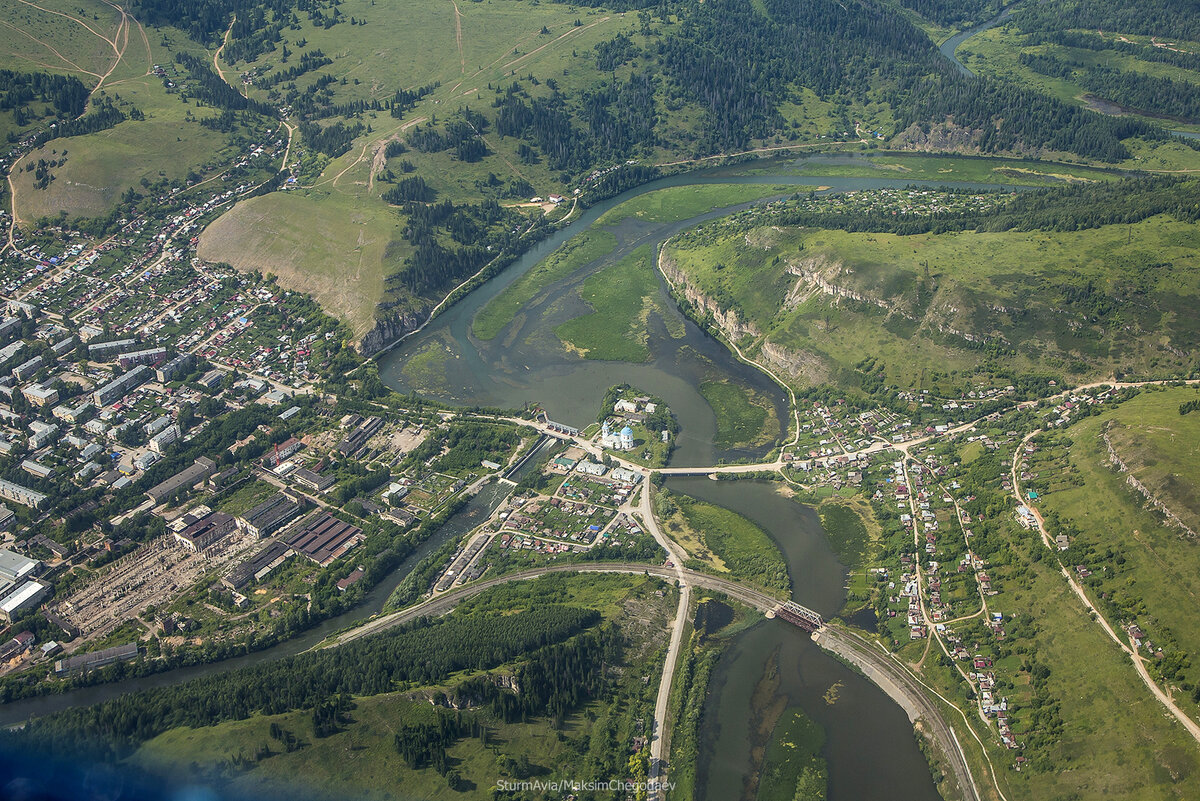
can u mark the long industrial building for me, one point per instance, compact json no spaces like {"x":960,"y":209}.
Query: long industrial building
{"x":208,"y":530}
{"x":96,"y":659}
{"x":184,"y":479}
{"x":324,"y":538}
{"x":257,"y":567}
{"x":269,"y":516}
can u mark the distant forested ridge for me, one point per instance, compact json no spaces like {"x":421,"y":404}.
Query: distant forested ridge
{"x":1084,"y":40}
{"x":953,"y":12}
{"x":739,"y":62}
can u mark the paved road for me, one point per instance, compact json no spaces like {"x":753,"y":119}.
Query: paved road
{"x":879,"y":667}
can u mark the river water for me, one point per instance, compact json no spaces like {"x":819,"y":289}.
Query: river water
{"x":869,"y":747}
{"x":526,"y":361}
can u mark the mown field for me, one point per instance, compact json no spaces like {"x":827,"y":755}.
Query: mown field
{"x":937,"y":311}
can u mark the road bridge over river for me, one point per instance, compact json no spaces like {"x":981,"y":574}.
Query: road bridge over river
{"x":446,"y":602}
{"x":881,"y":668}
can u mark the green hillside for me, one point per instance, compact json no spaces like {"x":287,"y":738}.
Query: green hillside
{"x":479,"y":107}
{"x":947,"y":311}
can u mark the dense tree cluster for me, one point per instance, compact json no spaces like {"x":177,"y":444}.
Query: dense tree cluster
{"x":615,"y":52}
{"x":332,"y":140}
{"x":65,"y":94}
{"x":1008,"y":117}
{"x":312,"y":60}
{"x":1178,"y":19}
{"x":206,"y":85}
{"x":467,"y":444}
{"x":404,"y":99}
{"x":104,"y":115}
{"x":422,"y":652}
{"x":409,"y":190}
{"x":477,"y":234}
{"x":1067,"y":208}
{"x":1133,"y":90}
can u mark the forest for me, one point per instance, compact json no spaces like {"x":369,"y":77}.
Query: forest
{"x":478,"y":233}
{"x":1068,"y":208}
{"x":18,"y":90}
{"x":1132,"y":90}
{"x":1179,"y":19}
{"x":422,"y":652}
{"x":955,"y":12}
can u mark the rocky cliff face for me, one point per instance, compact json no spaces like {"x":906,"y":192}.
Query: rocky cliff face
{"x":820,"y":274}
{"x":727,"y":320}
{"x":939,"y":138}
{"x":388,"y":329}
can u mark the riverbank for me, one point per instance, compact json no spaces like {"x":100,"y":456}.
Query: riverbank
{"x":902,"y":689}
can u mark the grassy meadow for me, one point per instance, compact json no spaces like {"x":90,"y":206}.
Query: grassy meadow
{"x":572,"y":256}
{"x":336,"y":248}
{"x":744,"y":417}
{"x":1150,"y":566}
{"x":723,"y":541}
{"x":622,"y":297}
{"x":114,"y":56}
{"x":962,"y":168}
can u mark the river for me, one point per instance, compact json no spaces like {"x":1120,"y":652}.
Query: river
{"x":526,"y":362}
{"x":867,"y":735}
{"x":869,"y":745}
{"x":950,"y":47}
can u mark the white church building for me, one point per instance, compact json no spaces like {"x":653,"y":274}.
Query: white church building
{"x":620,"y":441}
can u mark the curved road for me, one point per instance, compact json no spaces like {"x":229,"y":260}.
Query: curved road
{"x":882,"y":670}
{"x":445,"y":602}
